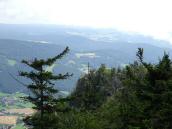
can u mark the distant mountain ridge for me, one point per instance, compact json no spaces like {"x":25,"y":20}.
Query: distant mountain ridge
{"x":96,"y":46}
{"x":56,"y":34}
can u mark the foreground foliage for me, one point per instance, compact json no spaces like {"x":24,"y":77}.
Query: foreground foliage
{"x":138,"y":96}
{"x":145,"y":99}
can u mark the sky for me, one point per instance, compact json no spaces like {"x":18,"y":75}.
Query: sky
{"x":149,"y":17}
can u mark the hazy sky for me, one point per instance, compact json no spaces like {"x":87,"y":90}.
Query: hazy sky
{"x":153,"y":17}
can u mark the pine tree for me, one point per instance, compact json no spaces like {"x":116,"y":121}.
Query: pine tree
{"x":145,"y":99}
{"x":158,"y":93}
{"x":42,"y":86}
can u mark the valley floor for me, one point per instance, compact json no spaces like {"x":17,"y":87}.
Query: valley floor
{"x":13,"y":109}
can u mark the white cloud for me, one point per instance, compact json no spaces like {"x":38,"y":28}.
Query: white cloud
{"x":151,"y":17}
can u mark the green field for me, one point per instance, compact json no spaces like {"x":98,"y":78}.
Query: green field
{"x":19,"y":126}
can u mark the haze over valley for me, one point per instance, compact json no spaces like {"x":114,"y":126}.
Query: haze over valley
{"x":96,"y":46}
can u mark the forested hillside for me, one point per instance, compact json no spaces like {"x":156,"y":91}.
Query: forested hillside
{"x":137,"y":96}
{"x":109,"y":83}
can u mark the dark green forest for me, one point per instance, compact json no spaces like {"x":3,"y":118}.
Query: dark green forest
{"x":137,"y":96}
